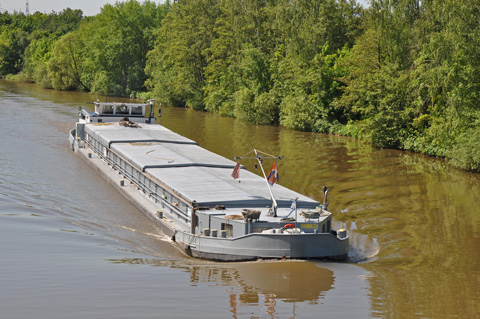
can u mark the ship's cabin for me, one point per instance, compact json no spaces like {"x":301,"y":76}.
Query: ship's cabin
{"x":113,"y":112}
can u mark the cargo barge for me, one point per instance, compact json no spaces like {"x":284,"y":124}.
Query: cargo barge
{"x":192,"y":195}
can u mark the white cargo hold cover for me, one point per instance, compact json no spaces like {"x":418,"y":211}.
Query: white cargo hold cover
{"x":196,"y":173}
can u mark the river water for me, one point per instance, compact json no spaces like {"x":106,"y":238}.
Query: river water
{"x":72,"y":247}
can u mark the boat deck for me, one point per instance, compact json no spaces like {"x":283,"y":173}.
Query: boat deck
{"x":151,"y":208}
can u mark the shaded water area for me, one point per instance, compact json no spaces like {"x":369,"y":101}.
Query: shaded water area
{"x":71,"y":246}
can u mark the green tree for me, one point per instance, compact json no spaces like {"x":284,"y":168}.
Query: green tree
{"x":413,"y":78}
{"x":13,"y":43}
{"x":446,"y":73}
{"x":66,"y":68}
{"x":117,"y":43}
{"x":28,"y":41}
{"x":176,"y":66}
{"x":376,"y":97}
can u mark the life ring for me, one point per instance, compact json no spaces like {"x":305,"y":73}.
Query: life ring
{"x":289,"y":226}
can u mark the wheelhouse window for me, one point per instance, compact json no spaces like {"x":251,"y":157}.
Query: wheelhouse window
{"x":107,"y":109}
{"x":136,"y":110}
{"x":122,"y":109}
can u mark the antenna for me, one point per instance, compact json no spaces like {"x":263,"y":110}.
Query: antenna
{"x":27,"y":10}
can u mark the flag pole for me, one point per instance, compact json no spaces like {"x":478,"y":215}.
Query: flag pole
{"x":259,"y":159}
{"x":268,"y":185}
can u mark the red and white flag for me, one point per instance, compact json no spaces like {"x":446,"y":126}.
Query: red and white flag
{"x":236,"y":171}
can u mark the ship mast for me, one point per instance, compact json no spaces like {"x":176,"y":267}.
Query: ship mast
{"x":260,"y":158}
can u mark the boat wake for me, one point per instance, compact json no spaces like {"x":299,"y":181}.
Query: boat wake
{"x":363,"y":248}
{"x":159,"y":236}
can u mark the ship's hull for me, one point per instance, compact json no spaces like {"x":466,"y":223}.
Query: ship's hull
{"x":269,"y":246}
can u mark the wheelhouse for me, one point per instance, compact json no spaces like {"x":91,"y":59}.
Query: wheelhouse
{"x":112,"y":112}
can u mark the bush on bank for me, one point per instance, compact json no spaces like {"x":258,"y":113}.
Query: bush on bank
{"x":399,"y":74}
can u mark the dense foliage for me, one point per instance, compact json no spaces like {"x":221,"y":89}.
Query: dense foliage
{"x":106,"y":54}
{"x":401,"y":74}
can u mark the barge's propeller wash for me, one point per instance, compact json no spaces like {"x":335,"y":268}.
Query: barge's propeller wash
{"x":190,"y":194}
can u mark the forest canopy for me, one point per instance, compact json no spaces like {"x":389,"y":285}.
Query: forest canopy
{"x":400,"y":74}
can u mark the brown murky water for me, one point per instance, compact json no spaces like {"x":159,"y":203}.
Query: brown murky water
{"x":70,"y":246}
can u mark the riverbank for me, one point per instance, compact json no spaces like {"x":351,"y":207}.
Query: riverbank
{"x":463,"y":154}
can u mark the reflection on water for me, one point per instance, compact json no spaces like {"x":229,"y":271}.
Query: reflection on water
{"x":288,"y":281}
{"x":414,"y":220}
{"x":275,"y":288}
